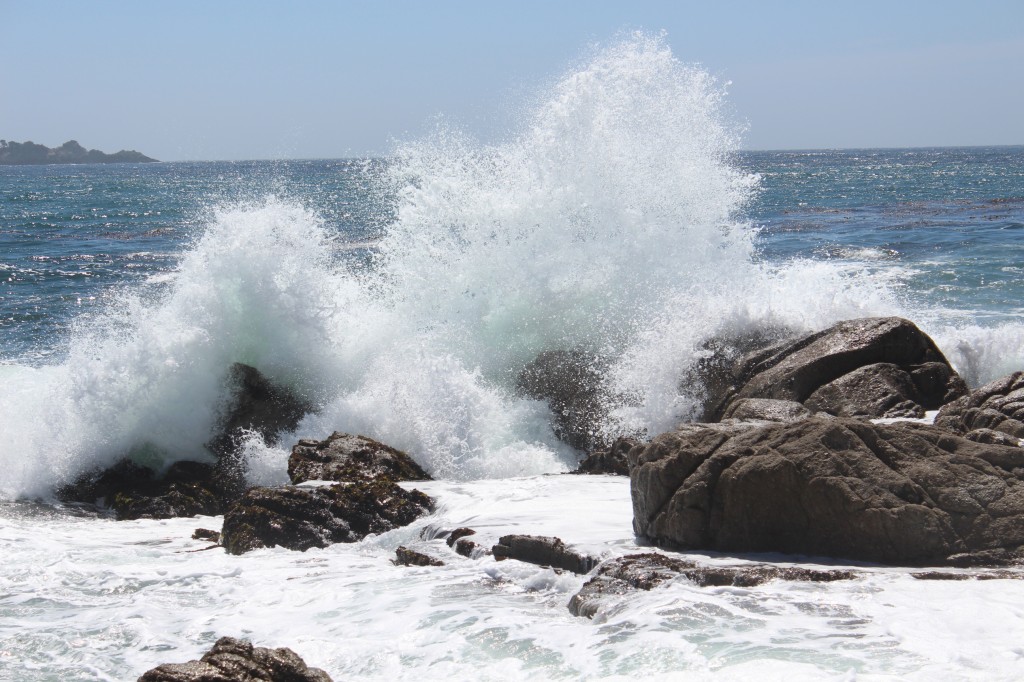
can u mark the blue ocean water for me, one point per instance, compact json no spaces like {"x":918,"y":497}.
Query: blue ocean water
{"x":949,"y":220}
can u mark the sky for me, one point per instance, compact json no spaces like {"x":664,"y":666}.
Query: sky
{"x":228,"y":80}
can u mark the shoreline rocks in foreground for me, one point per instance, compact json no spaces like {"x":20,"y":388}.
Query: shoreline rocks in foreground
{"x":235,"y":660}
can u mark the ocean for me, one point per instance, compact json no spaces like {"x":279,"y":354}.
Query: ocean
{"x":401,"y":296}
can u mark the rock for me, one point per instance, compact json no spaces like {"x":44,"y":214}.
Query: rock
{"x":611,"y":460}
{"x":234,"y":660}
{"x":570,"y":381}
{"x":818,"y":367}
{"x":462,"y":546}
{"x":766,"y":409}
{"x":878,"y":390}
{"x":206,"y":534}
{"x":407,"y":557}
{"x":344,"y":457}
{"x":904,"y":493}
{"x":258,"y":405}
{"x":543,"y":551}
{"x":996,"y":406}
{"x":135,"y":492}
{"x":646,"y":571}
{"x":300,"y":518}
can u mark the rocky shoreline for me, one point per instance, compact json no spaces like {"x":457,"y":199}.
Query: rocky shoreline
{"x":812,"y":445}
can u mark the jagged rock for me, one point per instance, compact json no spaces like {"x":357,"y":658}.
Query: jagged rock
{"x":766,"y":409}
{"x":646,"y":571}
{"x":234,"y":660}
{"x":610,"y":460}
{"x":135,"y":492}
{"x":543,"y":551}
{"x":818,"y":365}
{"x":260,"y":406}
{"x":905,"y":493}
{"x":300,"y":518}
{"x":997,"y":406}
{"x":344,"y":457}
{"x":408,"y":557}
{"x":990,"y":437}
{"x":570,"y":381}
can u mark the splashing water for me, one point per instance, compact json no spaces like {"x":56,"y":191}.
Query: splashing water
{"x":611,"y":222}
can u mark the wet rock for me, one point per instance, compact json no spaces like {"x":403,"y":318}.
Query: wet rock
{"x":996,"y":406}
{"x":300,"y":518}
{"x":570,"y":381}
{"x":990,"y":437}
{"x":458,"y":540}
{"x":766,"y":409}
{"x":905,"y":493}
{"x":206,"y":534}
{"x":259,"y":406}
{"x":646,"y":571}
{"x":543,"y":551}
{"x":408,"y":557}
{"x":344,"y":457}
{"x":234,"y":660}
{"x":611,"y":460}
{"x":832,"y":366}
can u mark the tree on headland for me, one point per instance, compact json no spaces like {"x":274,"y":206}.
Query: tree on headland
{"x":30,"y":153}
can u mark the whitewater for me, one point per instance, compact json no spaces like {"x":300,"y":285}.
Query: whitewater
{"x":612,"y":220}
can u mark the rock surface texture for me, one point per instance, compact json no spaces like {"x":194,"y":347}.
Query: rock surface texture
{"x":995,"y":407}
{"x":647,"y":571}
{"x":233,"y":660}
{"x":570,"y":381}
{"x":610,"y":461}
{"x":543,"y":551}
{"x":348,"y":458}
{"x":870,"y":367}
{"x":301,"y":518}
{"x":905,"y":493}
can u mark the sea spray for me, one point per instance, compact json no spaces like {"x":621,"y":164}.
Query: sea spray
{"x":612,"y":221}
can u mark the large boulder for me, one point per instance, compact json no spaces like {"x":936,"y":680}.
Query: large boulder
{"x":997,"y":406}
{"x":869,"y":367}
{"x":610,"y":460}
{"x":348,"y":458}
{"x":905,"y":493}
{"x":570,"y":381}
{"x":300,"y":518}
{"x":234,"y":660}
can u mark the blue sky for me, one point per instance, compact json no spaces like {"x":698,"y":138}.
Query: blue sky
{"x":238,"y":80}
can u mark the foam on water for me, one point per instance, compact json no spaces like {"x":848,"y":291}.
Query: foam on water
{"x":612,"y":221}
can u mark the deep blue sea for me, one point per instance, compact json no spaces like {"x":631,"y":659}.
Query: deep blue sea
{"x":401,"y":297}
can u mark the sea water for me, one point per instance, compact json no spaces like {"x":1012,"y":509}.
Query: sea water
{"x":401,"y":297}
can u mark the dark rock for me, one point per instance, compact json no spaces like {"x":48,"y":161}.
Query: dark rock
{"x":458,"y":541}
{"x":234,"y":660}
{"x":878,"y":390}
{"x":990,"y":437}
{"x":543,"y":551}
{"x":344,"y":457}
{"x":795,"y":370}
{"x":260,"y":406}
{"x":766,"y":409}
{"x":454,"y":536}
{"x":206,"y":534}
{"x":570,"y":381}
{"x":904,"y":493}
{"x":407,"y":557}
{"x":300,"y":518}
{"x":611,"y":460}
{"x":647,"y":571}
{"x":135,"y":492}
{"x":997,"y":406}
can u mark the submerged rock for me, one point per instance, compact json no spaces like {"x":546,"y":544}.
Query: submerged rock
{"x":344,"y":457}
{"x":646,"y":571}
{"x":235,"y":660}
{"x":570,"y":381}
{"x":611,"y":460}
{"x":905,"y":493}
{"x":300,"y":518}
{"x":543,"y":551}
{"x":997,"y":406}
{"x":408,"y":557}
{"x":869,"y":367}
{"x":459,"y":540}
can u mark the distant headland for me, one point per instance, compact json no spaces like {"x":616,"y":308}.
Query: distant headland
{"x":30,"y":153}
